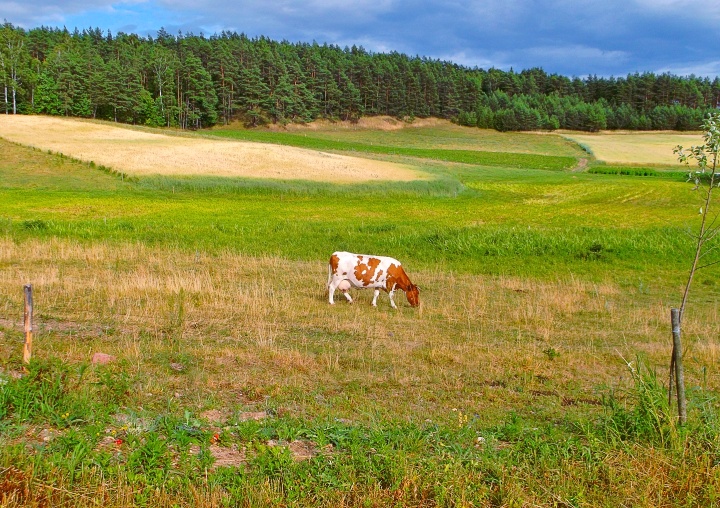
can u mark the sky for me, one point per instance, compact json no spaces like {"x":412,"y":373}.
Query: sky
{"x":574,"y":38}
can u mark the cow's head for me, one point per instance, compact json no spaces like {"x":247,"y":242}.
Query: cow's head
{"x":413,"y":295}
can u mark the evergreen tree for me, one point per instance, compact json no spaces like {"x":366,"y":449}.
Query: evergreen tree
{"x":254,"y":95}
{"x":198,"y":107}
{"x":47,"y":98}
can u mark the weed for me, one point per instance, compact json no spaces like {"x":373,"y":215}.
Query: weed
{"x":551,"y":353}
{"x":644,"y":413}
{"x":148,"y":462}
{"x":35,"y":225}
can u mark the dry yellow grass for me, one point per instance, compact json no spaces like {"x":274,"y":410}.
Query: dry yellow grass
{"x":240,"y":325}
{"x":635,"y":147}
{"x":136,"y":152}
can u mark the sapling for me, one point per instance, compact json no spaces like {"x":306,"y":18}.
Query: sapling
{"x":706,"y":179}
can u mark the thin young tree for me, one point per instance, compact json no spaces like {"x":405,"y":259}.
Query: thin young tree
{"x":12,"y":61}
{"x":706,"y":179}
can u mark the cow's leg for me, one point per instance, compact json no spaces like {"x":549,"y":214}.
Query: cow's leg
{"x":392,"y":301}
{"x":347,"y":295}
{"x":331,"y":290}
{"x":375,"y":297}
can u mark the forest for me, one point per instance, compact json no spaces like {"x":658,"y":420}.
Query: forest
{"x":194,"y":81}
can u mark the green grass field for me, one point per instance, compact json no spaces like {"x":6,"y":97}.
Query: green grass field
{"x":533,"y":373}
{"x":493,"y":149}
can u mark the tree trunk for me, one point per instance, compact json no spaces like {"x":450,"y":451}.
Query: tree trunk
{"x":676,"y":367}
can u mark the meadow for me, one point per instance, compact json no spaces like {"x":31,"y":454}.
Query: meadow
{"x":534,"y":373}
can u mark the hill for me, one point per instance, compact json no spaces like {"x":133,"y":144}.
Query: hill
{"x":141,"y":152}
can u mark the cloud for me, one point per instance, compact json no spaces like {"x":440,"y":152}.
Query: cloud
{"x":26,"y":14}
{"x":590,"y":56}
{"x":571,"y":37}
{"x":702,"y":69}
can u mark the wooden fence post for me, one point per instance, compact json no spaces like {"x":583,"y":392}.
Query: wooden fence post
{"x":27,"y":349}
{"x":677,"y":363}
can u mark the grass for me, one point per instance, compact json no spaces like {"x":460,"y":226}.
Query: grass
{"x":467,"y":156}
{"x":531,"y":374}
{"x":437,"y":135}
{"x":672,"y":173}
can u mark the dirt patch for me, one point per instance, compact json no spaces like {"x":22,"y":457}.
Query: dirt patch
{"x":252,"y":415}
{"x":223,"y":456}
{"x":215,"y":416}
{"x":140,"y":153}
{"x":581,"y":165}
{"x":227,"y":457}
{"x":235,"y":457}
{"x":301,"y":449}
{"x":382,"y":123}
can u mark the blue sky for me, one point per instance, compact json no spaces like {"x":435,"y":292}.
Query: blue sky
{"x":568,"y":37}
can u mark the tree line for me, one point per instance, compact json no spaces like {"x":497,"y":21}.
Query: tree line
{"x":193,"y":81}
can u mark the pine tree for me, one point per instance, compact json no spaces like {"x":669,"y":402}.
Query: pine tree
{"x":199,"y":99}
{"x":255,"y":95}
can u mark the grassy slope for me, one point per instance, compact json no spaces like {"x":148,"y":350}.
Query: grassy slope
{"x":488,"y":149}
{"x":468,"y":215}
{"x":535,"y":285}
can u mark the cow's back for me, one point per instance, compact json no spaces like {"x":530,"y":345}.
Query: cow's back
{"x":362,"y":270}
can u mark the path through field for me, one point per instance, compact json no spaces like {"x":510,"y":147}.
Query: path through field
{"x":138,"y":152}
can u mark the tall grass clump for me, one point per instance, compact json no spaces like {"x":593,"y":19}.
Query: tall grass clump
{"x":643,"y":414}
{"x":58,"y":394}
{"x":638,"y":171}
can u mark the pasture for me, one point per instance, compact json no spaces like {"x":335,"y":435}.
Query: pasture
{"x":533,"y":372}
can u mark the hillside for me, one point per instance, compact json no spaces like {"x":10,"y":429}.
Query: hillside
{"x":138,"y":152}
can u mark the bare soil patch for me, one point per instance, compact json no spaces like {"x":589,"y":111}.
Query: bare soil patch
{"x":381,"y":123}
{"x":139,"y":153}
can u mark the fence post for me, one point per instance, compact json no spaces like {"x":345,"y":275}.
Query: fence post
{"x":677,"y":362}
{"x":27,"y":349}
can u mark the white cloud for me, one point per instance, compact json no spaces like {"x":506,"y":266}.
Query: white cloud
{"x":497,"y":60}
{"x":53,"y":13}
{"x":709,"y":69}
{"x":578,"y":52}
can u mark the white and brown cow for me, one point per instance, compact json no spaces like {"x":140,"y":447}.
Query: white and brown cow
{"x":347,"y":270}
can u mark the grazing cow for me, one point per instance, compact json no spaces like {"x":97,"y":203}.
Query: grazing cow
{"x":347,"y":270}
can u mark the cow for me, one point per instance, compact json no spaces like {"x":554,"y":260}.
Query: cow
{"x":347,"y":270}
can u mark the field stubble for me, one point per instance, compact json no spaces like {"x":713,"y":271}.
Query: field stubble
{"x":655,"y":148}
{"x":137,"y":152}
